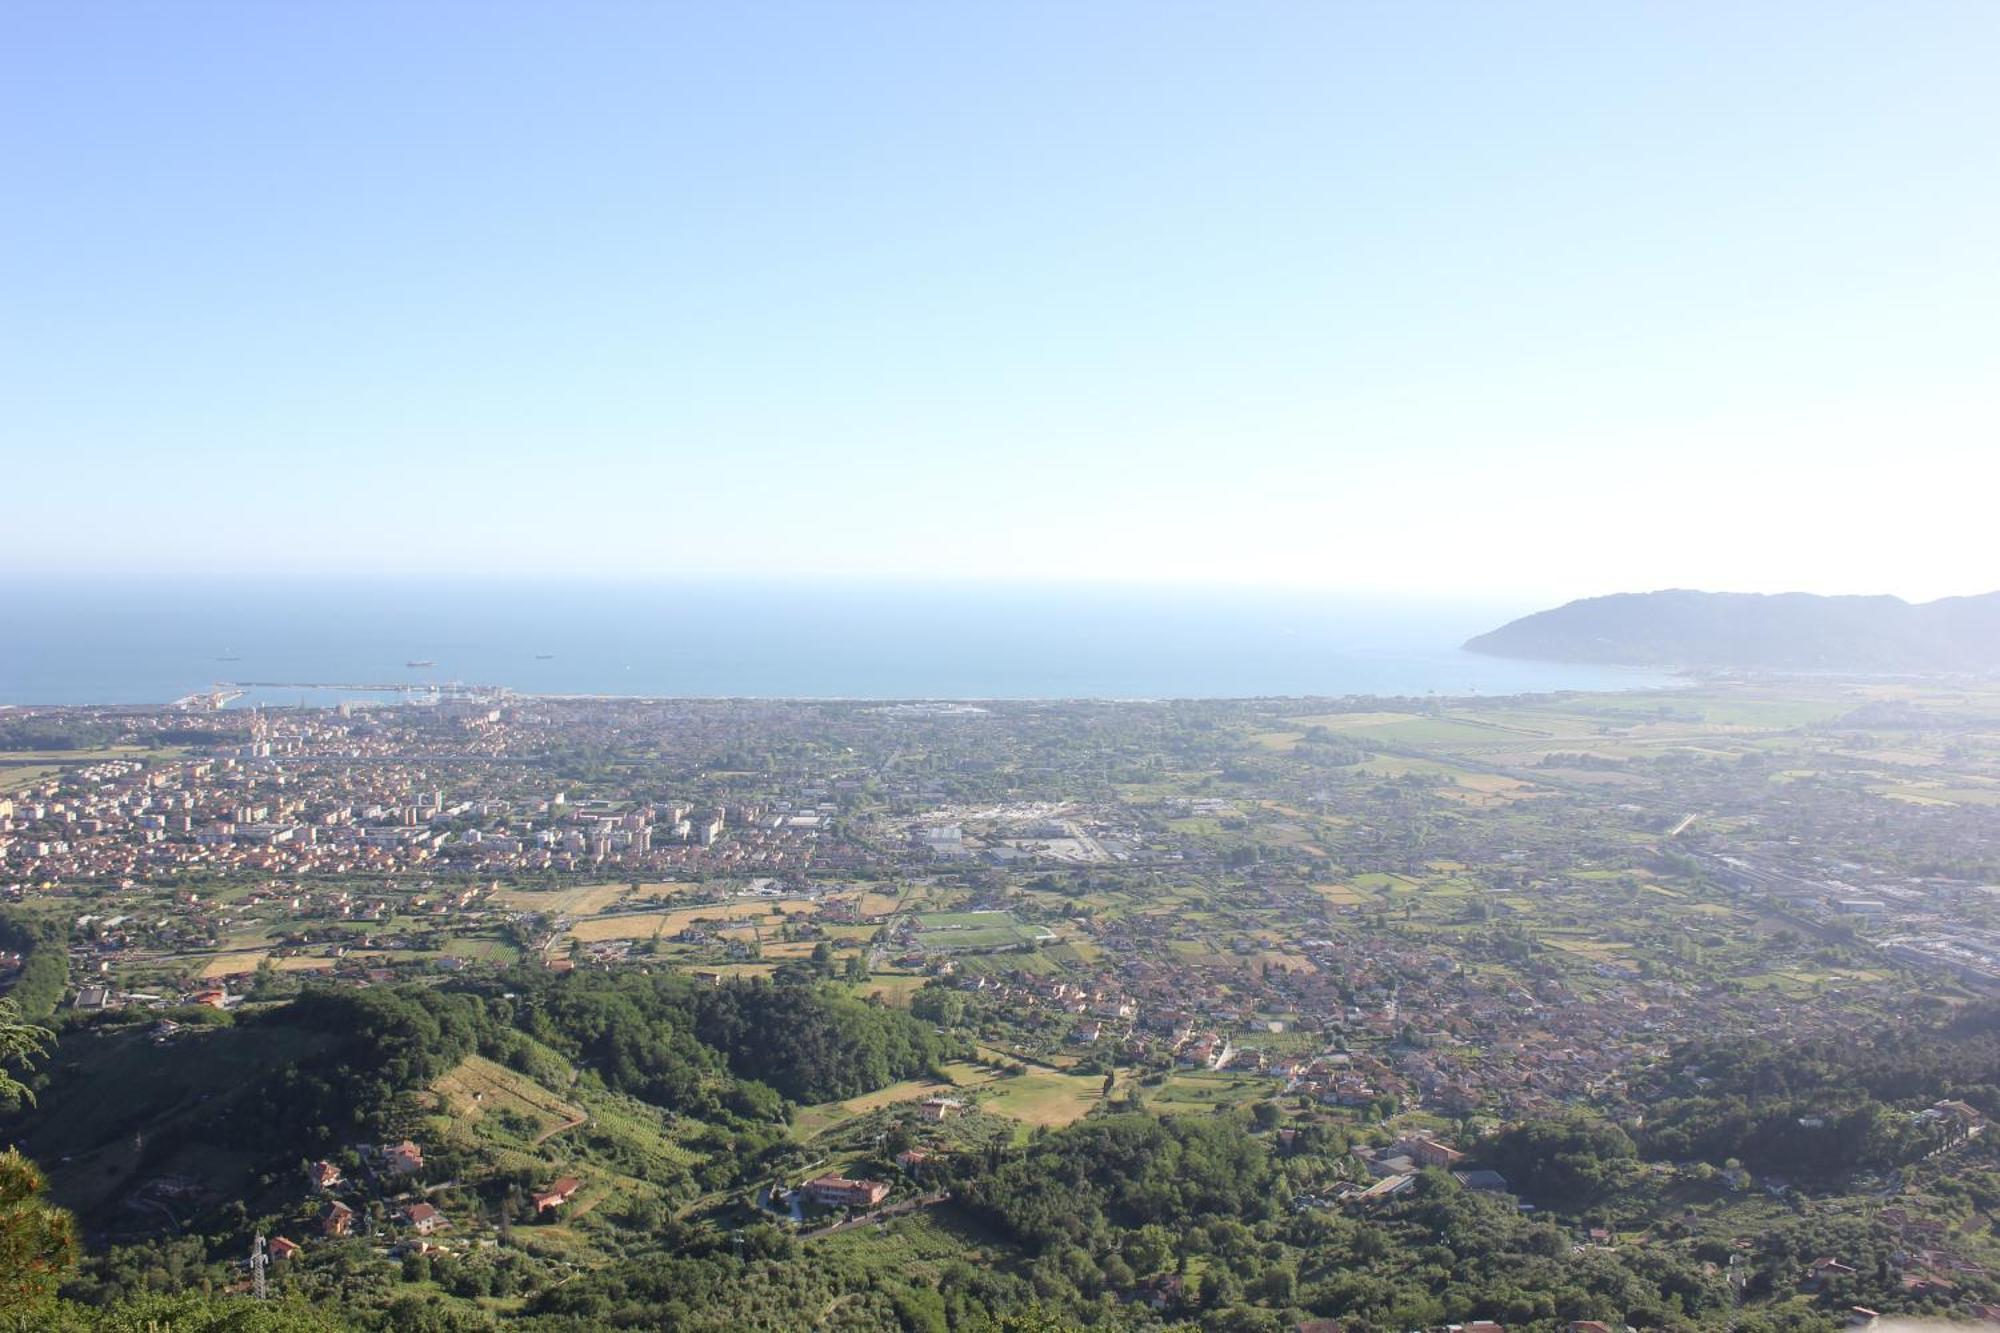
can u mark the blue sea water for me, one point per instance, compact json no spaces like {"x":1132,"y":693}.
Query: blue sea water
{"x":152,"y":640}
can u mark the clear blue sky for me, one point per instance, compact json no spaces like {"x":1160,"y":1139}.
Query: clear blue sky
{"x":1543,"y":299}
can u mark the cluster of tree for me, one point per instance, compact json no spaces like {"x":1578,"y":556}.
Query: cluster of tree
{"x":675,"y":1042}
{"x":814,"y":1045}
{"x":373,"y":1045}
{"x":192,"y":1312}
{"x":1328,"y":749}
{"x":1195,"y":1212}
{"x":44,"y":943}
{"x":1123,"y":1171}
{"x":336,"y":1065}
{"x":1580,"y":759}
{"x":1803,"y":1137}
{"x":1821,"y":1107}
{"x":775,"y":1287}
{"x":1567,"y":1163}
{"x":66,"y":732}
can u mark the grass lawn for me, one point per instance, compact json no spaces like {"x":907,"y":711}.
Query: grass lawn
{"x":1042,"y":1097}
{"x":1202,"y":1091}
{"x":482,"y":948}
{"x":895,"y":991}
{"x":26,"y":775}
{"x":812,"y":1121}
{"x":1039,"y":1097}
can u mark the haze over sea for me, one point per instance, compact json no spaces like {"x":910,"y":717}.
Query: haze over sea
{"x":148,"y":641}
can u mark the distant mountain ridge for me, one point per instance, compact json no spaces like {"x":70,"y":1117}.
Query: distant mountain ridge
{"x":1745,"y":631}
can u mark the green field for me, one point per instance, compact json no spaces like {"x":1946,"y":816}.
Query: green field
{"x":951,"y":931}
{"x":19,"y":777}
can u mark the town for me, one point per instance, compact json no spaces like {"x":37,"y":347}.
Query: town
{"x":1386,"y":934}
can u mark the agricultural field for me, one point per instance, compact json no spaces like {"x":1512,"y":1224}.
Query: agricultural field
{"x":243,"y":964}
{"x":621,"y":926}
{"x":478,"y":1089}
{"x":584,"y":900}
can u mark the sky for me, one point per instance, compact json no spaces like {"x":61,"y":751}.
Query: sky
{"x":1528,"y":300}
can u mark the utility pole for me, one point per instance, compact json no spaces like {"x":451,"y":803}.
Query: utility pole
{"x":259,"y":1261}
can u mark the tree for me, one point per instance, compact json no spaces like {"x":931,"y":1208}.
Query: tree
{"x":1567,"y":1162}
{"x":192,"y":1312}
{"x":936,"y":1004}
{"x":1276,"y":1286}
{"x":37,"y":1242}
{"x":21,"y":1044}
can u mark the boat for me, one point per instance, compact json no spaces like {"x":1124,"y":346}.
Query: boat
{"x":545,"y":657}
{"x":426,"y":662}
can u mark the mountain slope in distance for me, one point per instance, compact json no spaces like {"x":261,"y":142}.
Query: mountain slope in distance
{"x":1754,"y":631}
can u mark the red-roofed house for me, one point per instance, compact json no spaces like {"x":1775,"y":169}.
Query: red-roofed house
{"x":337,"y":1220}
{"x":558,"y":1194}
{"x":424,"y":1218}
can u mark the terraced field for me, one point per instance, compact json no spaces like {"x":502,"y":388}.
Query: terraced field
{"x":478,"y":1088}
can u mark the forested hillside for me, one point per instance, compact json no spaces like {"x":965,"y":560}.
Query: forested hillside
{"x":43,"y":941}
{"x":1125,"y":1220}
{"x":1825,"y":1107}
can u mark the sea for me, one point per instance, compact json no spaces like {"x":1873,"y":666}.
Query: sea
{"x":322,"y":641}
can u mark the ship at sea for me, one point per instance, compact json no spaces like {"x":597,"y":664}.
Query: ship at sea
{"x":426,"y":662}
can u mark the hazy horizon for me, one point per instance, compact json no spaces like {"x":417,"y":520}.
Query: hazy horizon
{"x":1503,"y":602}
